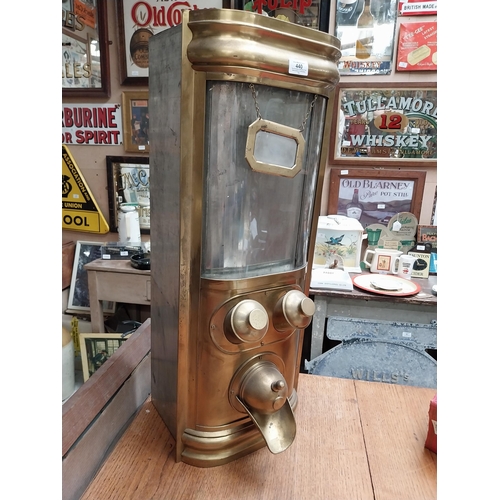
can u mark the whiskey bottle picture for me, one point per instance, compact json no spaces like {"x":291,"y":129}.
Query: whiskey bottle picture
{"x":354,"y":208}
{"x":365,"y":21}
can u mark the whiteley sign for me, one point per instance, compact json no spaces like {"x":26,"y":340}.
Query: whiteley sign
{"x":92,"y":124}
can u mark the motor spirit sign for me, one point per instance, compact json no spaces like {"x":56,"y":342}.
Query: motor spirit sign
{"x":92,"y":124}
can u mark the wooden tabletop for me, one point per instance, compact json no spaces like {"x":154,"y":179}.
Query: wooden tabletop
{"x":114,"y":266}
{"x":355,"y":440}
{"x":424,"y":297}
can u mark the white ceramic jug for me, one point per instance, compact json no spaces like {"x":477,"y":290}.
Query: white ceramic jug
{"x":129,"y":229}
{"x":382,"y":261}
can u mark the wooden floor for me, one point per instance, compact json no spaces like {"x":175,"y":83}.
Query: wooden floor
{"x":355,"y":440}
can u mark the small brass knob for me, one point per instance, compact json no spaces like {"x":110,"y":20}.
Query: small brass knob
{"x":278,"y":385}
{"x":263,"y":388}
{"x":294,"y":309}
{"x":246,"y":322}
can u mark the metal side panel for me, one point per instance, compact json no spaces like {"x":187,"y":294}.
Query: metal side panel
{"x":421,"y":336}
{"x":378,"y":361}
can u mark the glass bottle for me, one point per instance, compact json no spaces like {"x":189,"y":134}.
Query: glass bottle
{"x":365,"y":21}
{"x":354,"y":208}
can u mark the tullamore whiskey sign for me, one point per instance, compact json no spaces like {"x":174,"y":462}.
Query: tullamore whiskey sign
{"x":388,"y":124}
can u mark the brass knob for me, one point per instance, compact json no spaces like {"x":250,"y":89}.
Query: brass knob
{"x":294,"y":309}
{"x":264,"y":388}
{"x":246,"y":322}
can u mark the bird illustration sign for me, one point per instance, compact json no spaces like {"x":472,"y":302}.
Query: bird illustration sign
{"x":79,"y":208}
{"x":335,"y":241}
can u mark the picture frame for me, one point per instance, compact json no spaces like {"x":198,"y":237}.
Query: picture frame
{"x":316,"y":15}
{"x":385,"y":125}
{"x":417,"y":46}
{"x":96,"y":348}
{"x":382,"y":193}
{"x":138,"y":21}
{"x":78,"y":300}
{"x":367,"y":33}
{"x":128,"y":182}
{"x":427,"y":234}
{"x":135,"y":116}
{"x":85,"y":49}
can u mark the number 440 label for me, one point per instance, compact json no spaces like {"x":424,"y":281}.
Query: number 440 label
{"x":296,"y":67}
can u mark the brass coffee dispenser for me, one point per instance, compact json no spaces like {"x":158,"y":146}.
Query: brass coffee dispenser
{"x":240,"y":114}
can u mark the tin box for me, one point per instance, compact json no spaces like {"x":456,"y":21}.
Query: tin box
{"x":338,"y":235}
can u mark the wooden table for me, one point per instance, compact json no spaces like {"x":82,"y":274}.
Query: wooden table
{"x":355,"y":440}
{"x":420,"y":308}
{"x":116,"y":281}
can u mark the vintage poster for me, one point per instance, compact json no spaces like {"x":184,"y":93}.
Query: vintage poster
{"x":92,"y":124}
{"x":366,"y":30}
{"x":378,"y":200}
{"x":145,"y":18}
{"x":417,"y":8}
{"x":311,"y":13}
{"x":417,"y":47}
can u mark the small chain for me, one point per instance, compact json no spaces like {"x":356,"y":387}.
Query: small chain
{"x":259,"y":116}
{"x":308,"y":113}
{"x":252,"y":88}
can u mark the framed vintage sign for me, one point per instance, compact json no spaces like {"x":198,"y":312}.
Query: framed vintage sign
{"x":377,"y":194}
{"x":417,"y":47}
{"x":96,"y":349}
{"x":135,"y":115}
{"x":138,"y":21}
{"x":313,"y":14}
{"x":85,"y":52}
{"x":128,"y":182}
{"x":427,"y":234}
{"x":366,"y":30}
{"x":79,"y":300}
{"x":383,"y":125}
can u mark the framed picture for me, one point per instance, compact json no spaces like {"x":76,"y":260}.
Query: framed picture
{"x":96,"y":348}
{"x":377,"y":124}
{"x":373,"y":195}
{"x":85,"y":51}
{"x":417,"y":47}
{"x":138,"y":21}
{"x":366,"y":30}
{"x":135,"y":115}
{"x":427,"y":234}
{"x":128,"y":182}
{"x":78,"y":301}
{"x":313,"y":14}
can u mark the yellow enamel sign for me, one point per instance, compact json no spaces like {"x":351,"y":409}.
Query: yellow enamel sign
{"x":79,"y":208}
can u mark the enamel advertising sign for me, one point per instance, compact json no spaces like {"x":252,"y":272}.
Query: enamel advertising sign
{"x":92,"y":124}
{"x":417,"y":47}
{"x":417,"y":8}
{"x":140,"y":20}
{"x":79,"y":208}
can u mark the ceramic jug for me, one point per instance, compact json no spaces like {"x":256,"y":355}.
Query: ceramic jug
{"x":129,"y":229}
{"x":382,"y":261}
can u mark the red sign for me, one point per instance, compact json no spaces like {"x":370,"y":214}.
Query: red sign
{"x":417,"y":8}
{"x":417,"y":47}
